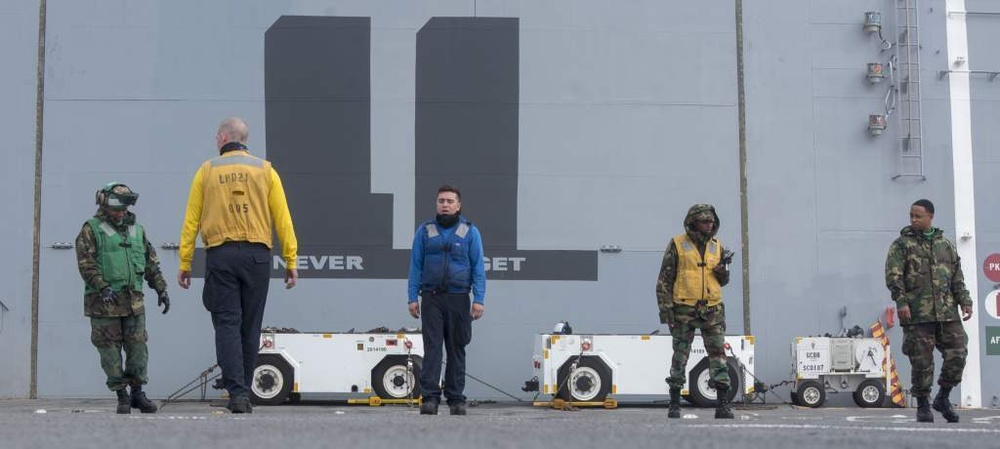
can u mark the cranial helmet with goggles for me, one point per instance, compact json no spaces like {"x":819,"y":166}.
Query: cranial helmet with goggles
{"x":116,"y":196}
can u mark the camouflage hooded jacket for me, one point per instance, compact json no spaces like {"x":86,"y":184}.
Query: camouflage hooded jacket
{"x":129,"y":303}
{"x":925,"y":273}
{"x":668,"y":268}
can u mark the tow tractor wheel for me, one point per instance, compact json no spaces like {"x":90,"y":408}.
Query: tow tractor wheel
{"x":811,"y":394}
{"x":272,"y":380}
{"x":702,"y":395}
{"x":870,"y":394}
{"x":590,"y":382}
{"x":392,"y":380}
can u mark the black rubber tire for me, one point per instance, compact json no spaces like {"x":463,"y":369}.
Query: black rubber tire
{"x":272,"y":380}
{"x":701,"y":399}
{"x":870,"y":394}
{"x":582,"y":388}
{"x":811,"y":394}
{"x":395,"y":366}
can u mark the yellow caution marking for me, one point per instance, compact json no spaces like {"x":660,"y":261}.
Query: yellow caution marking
{"x":401,"y":401}
{"x":375,"y":401}
{"x":295,"y":386}
{"x":614,"y":388}
{"x":561,"y":404}
{"x":644,"y":337}
{"x":889,"y":365}
{"x":545,"y":354}
{"x":327,"y":335}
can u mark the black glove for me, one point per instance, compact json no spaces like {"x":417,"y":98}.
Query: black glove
{"x":164,"y":300}
{"x":109,"y":297}
{"x":727,"y":258}
{"x":723,"y":266}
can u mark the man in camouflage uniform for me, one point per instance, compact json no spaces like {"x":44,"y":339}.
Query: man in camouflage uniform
{"x":114,"y":256}
{"x":689,"y":295}
{"x":924,"y":275}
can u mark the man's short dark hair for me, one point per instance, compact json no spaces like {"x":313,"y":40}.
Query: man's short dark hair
{"x":449,"y":188}
{"x":926,"y":204}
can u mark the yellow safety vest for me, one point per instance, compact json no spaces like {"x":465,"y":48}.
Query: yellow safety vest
{"x":235,"y":188}
{"x":695,"y":280}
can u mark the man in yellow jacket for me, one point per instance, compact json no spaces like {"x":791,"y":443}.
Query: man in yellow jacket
{"x":689,"y":295}
{"x":234,"y":200}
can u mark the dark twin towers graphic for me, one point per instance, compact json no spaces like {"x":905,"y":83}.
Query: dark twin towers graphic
{"x":318,"y":114}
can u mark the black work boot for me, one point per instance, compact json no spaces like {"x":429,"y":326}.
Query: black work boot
{"x":140,"y":401}
{"x":675,"y":403}
{"x":924,"y":410}
{"x":457,"y":408}
{"x":722,"y":410}
{"x":943,"y":404}
{"x":124,"y":403}
{"x":239,"y":404}
{"x":429,"y":406}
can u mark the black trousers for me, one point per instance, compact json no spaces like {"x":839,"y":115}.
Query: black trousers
{"x":446,"y":320}
{"x":237,"y":275}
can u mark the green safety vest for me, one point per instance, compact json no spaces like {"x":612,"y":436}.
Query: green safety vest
{"x":120,"y":257}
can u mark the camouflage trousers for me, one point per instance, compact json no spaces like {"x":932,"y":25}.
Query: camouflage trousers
{"x":112,"y":334}
{"x":712,"y":322}
{"x":919,"y":341}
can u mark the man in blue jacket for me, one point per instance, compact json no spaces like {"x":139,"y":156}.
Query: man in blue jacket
{"x":446,"y":264}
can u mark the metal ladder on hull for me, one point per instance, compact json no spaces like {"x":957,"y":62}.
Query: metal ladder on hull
{"x":910,"y":135}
